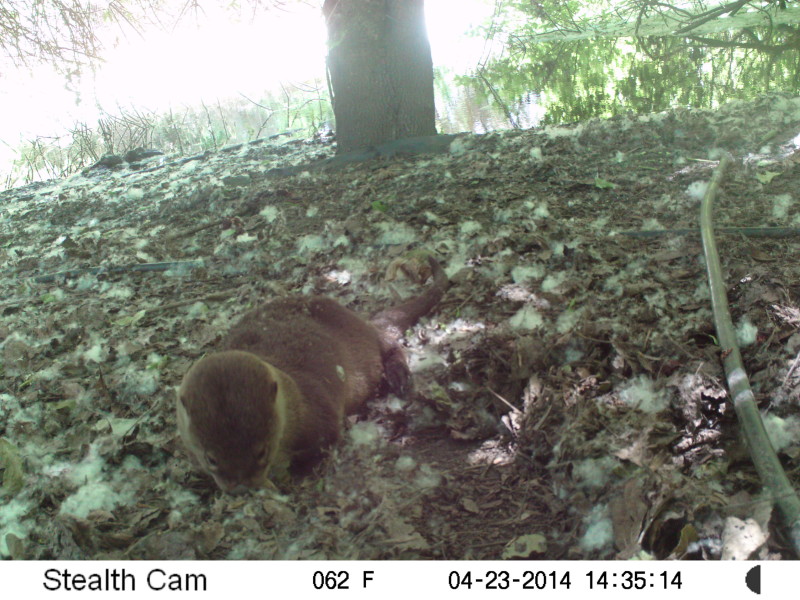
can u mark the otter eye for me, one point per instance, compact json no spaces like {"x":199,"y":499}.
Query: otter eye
{"x":212,"y":462}
{"x":261,"y":456}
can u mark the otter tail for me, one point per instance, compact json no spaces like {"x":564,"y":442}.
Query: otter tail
{"x":397,"y":319}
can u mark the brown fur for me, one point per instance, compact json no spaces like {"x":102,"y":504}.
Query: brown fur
{"x":274,"y":396}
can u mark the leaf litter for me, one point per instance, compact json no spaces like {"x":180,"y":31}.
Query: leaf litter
{"x":569,"y":400}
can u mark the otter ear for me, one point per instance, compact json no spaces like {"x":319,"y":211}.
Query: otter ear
{"x":179,"y":397}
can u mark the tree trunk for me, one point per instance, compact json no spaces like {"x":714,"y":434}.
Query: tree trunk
{"x":381,"y":72}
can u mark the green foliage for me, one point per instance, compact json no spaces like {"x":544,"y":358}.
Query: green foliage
{"x":11,"y":467}
{"x":603,"y":184}
{"x":571,"y":61}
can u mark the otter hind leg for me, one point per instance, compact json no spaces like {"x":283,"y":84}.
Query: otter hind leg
{"x":396,"y":374}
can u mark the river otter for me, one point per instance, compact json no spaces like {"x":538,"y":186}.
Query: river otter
{"x":274,"y":396}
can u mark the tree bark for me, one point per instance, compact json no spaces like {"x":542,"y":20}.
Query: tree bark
{"x":381,"y":72}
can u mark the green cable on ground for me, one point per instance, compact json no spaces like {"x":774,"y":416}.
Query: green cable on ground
{"x":763,"y":455}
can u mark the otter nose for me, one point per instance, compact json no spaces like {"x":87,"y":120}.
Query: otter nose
{"x":229,"y":486}
{"x":238,"y":489}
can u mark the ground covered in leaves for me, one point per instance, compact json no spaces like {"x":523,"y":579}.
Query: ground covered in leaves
{"x":569,"y":400}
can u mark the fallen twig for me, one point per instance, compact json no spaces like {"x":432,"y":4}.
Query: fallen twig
{"x":770,"y":232}
{"x":161,"y":266}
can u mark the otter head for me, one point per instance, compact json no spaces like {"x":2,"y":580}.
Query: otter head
{"x":231,"y":417}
